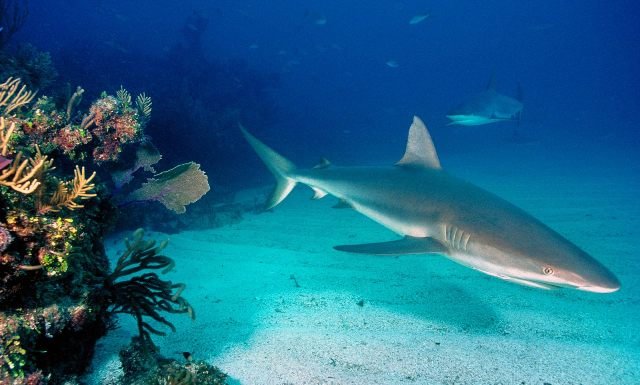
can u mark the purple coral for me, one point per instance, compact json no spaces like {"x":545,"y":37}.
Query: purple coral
{"x":4,"y":162}
{"x":5,"y":239}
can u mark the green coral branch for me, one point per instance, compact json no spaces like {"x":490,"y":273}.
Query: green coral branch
{"x":143,"y":103}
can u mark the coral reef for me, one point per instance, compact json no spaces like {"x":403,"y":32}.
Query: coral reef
{"x":56,"y":292}
{"x":52,"y":263}
{"x":115,"y":121}
{"x":143,"y":365}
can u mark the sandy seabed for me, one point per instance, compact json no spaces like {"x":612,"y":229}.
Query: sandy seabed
{"x":277,"y":305}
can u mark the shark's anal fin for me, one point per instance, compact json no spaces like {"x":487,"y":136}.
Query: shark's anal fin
{"x":404,"y":246}
{"x":342,"y":204}
{"x":318,"y":193}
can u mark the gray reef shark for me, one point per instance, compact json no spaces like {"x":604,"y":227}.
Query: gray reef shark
{"x":487,"y":107}
{"x":441,"y":214}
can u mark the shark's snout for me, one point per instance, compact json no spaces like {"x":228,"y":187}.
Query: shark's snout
{"x":592,"y":277}
{"x":606,"y":282}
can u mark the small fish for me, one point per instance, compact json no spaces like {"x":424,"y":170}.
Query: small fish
{"x":253,"y":46}
{"x":417,"y":19}
{"x":321,"y":20}
{"x":392,"y":64}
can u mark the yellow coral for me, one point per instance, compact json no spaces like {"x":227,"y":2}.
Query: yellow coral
{"x":5,"y":135}
{"x":13,"y":96}
{"x":63,"y":197}
{"x":20,"y":175}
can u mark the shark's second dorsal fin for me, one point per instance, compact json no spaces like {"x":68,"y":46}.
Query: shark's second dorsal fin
{"x":324,"y":163}
{"x":420,"y":151}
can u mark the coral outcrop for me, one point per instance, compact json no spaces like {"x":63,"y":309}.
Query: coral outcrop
{"x":57,"y":294}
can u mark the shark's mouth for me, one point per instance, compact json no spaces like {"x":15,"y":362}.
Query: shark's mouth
{"x":598,"y":289}
{"x":531,"y":283}
{"x":551,"y":286}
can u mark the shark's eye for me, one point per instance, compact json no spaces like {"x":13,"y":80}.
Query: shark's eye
{"x":547,"y":270}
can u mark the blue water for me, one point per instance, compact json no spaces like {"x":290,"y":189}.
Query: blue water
{"x":342,"y":79}
{"x":327,"y":87}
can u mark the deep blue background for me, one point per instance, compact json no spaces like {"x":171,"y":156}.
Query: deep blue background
{"x":578,"y":63}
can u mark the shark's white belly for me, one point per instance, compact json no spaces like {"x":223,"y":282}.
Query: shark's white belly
{"x":399,"y":225}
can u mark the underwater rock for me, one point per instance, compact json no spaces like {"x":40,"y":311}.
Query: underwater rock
{"x":143,"y":364}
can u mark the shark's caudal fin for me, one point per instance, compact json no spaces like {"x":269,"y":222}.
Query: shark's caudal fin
{"x":280,"y":166}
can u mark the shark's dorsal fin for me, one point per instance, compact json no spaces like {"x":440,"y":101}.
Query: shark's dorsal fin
{"x":420,"y":151}
{"x":323,"y":163}
{"x":491,"y":86}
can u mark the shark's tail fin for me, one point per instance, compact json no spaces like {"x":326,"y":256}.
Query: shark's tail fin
{"x":519,"y":93}
{"x":281,"y":168}
{"x":520,"y":98}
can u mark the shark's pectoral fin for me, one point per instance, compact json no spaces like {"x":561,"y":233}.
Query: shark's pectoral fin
{"x":406,"y":245}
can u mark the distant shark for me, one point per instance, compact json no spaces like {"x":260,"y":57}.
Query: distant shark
{"x":487,"y":107}
{"x":438,"y":213}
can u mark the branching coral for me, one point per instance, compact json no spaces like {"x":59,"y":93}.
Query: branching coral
{"x":20,"y":175}
{"x":5,"y":135}
{"x":145,"y":295}
{"x":68,"y":192}
{"x":13,"y":96}
{"x":143,"y":104}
